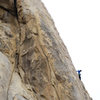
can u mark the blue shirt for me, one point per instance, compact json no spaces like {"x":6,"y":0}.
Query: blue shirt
{"x":79,"y":71}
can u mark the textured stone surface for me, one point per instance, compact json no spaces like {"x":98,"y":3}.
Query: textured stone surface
{"x":34,"y":62}
{"x":5,"y":74}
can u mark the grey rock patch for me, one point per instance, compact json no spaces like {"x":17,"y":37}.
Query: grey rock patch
{"x":5,"y":74}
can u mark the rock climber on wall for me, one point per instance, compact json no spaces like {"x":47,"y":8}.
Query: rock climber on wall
{"x":79,"y":73}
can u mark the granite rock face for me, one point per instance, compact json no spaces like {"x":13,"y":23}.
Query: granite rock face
{"x":34,"y":62}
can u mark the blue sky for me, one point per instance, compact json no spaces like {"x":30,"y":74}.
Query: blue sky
{"x":78,"y":23}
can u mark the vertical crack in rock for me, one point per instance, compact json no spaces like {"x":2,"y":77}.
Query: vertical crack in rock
{"x":47,"y":63}
{"x":15,"y":8}
{"x":16,"y":57}
{"x":56,"y":92}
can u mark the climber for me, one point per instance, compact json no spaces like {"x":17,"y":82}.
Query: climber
{"x":79,"y":73}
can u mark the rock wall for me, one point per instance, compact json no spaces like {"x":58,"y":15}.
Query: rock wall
{"x":34,"y":62}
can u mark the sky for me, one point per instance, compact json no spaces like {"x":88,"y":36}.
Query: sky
{"x":78,"y":23}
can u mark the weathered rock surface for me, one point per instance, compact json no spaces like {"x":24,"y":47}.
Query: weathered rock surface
{"x":34,"y":63}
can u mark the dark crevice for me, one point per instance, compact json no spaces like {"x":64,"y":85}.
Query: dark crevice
{"x":43,"y":96}
{"x":17,"y":58}
{"x":34,"y":91}
{"x":24,"y":97}
{"x":15,"y":8}
{"x":8,"y":10}
{"x":11,"y":11}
